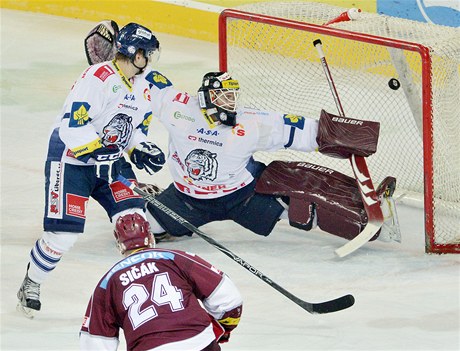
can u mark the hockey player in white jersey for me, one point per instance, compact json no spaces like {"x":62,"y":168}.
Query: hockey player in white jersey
{"x":106,"y":113}
{"x":215,"y":177}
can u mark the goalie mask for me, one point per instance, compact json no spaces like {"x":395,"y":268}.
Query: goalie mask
{"x":218,"y":95}
{"x":132,"y":232}
{"x":134,"y":37}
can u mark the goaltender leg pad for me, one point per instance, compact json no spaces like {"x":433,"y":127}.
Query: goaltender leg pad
{"x":342,"y":136}
{"x":339,"y":207}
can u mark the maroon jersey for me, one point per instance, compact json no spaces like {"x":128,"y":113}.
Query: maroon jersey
{"x":153,"y":295}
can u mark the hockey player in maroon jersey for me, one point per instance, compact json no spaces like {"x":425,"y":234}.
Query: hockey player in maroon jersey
{"x":155,"y":296}
{"x":212,"y":142}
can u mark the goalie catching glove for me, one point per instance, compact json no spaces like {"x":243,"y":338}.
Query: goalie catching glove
{"x":147,"y":156}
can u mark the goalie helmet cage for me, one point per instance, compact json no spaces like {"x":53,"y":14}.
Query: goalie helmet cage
{"x":402,"y":73}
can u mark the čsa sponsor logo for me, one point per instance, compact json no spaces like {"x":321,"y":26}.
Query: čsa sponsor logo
{"x":207,"y":132}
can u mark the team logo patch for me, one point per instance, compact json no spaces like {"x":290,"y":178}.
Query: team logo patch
{"x":158,"y":80}
{"x":79,"y":114}
{"x":201,"y":165}
{"x":76,"y":205}
{"x":238,"y":130}
{"x":146,"y":123}
{"x":104,"y":72}
{"x":118,"y":130}
{"x":294,"y":121}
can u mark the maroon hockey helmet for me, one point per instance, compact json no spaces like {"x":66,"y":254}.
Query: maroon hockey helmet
{"x":132,"y":232}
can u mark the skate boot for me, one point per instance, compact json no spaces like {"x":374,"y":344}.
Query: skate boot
{"x":29,"y":297}
{"x":390,"y":230}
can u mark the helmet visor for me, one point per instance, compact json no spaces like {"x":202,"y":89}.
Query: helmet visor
{"x":226,"y":99}
{"x":153,"y":56}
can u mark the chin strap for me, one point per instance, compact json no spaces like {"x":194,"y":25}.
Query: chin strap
{"x":141,"y":69}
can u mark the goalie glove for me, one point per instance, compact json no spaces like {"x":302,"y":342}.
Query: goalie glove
{"x":108,"y":162}
{"x":100,"y":43}
{"x":147,"y":156}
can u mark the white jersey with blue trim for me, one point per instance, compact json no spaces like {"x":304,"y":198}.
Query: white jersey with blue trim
{"x":104,"y":107}
{"x":209,"y":160}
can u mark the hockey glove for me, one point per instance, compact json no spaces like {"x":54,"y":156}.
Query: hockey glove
{"x":100,"y":42}
{"x":108,"y":162}
{"x":148,"y":156}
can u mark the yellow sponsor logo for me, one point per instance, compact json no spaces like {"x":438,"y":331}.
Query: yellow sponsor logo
{"x":230,"y":84}
{"x":81,"y":115}
{"x":87,"y":148}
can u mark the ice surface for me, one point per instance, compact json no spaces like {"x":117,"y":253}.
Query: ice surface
{"x":405,"y":299}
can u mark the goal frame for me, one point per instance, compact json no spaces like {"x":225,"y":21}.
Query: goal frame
{"x":430,"y":244}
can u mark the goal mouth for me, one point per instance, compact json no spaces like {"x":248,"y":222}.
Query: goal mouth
{"x":401,"y":73}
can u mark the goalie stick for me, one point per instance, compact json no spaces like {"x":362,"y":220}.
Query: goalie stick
{"x":313,"y":308}
{"x":363,"y":178}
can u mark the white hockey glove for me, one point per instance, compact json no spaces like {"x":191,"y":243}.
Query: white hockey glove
{"x":148,"y":156}
{"x":100,"y":43}
{"x":108,"y":162}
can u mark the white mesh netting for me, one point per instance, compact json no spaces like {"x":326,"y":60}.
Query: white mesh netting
{"x":279,"y":69}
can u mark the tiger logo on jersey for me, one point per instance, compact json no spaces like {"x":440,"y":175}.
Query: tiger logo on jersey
{"x":201,"y":165}
{"x":118,"y":131}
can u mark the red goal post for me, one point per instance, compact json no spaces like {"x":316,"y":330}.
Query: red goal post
{"x":383,"y":72}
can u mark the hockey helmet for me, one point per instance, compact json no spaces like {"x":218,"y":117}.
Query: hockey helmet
{"x":218,"y":95}
{"x":133,"y":37}
{"x":132,"y":232}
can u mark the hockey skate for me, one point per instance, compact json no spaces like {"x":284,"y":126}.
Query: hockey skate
{"x":29,"y":297}
{"x":390,"y":230}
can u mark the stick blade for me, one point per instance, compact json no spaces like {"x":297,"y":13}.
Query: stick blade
{"x":335,"y":305}
{"x":362,"y":238}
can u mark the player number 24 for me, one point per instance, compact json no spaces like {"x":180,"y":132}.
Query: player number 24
{"x":163,"y":293}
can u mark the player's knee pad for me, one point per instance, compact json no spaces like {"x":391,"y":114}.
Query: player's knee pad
{"x":311,"y":188}
{"x":59,"y":242}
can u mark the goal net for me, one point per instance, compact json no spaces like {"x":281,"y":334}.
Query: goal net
{"x":403,"y":74}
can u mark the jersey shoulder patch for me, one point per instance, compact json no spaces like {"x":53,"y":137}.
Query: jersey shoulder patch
{"x":104,"y":72}
{"x":294,"y":121}
{"x":157,"y":79}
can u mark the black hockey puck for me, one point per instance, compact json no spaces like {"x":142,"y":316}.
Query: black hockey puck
{"x":394,"y":84}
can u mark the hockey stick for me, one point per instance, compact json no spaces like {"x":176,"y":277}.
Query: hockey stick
{"x":363,"y":178}
{"x":314,"y":308}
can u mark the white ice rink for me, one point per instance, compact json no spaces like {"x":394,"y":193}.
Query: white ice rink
{"x":405,"y":299}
